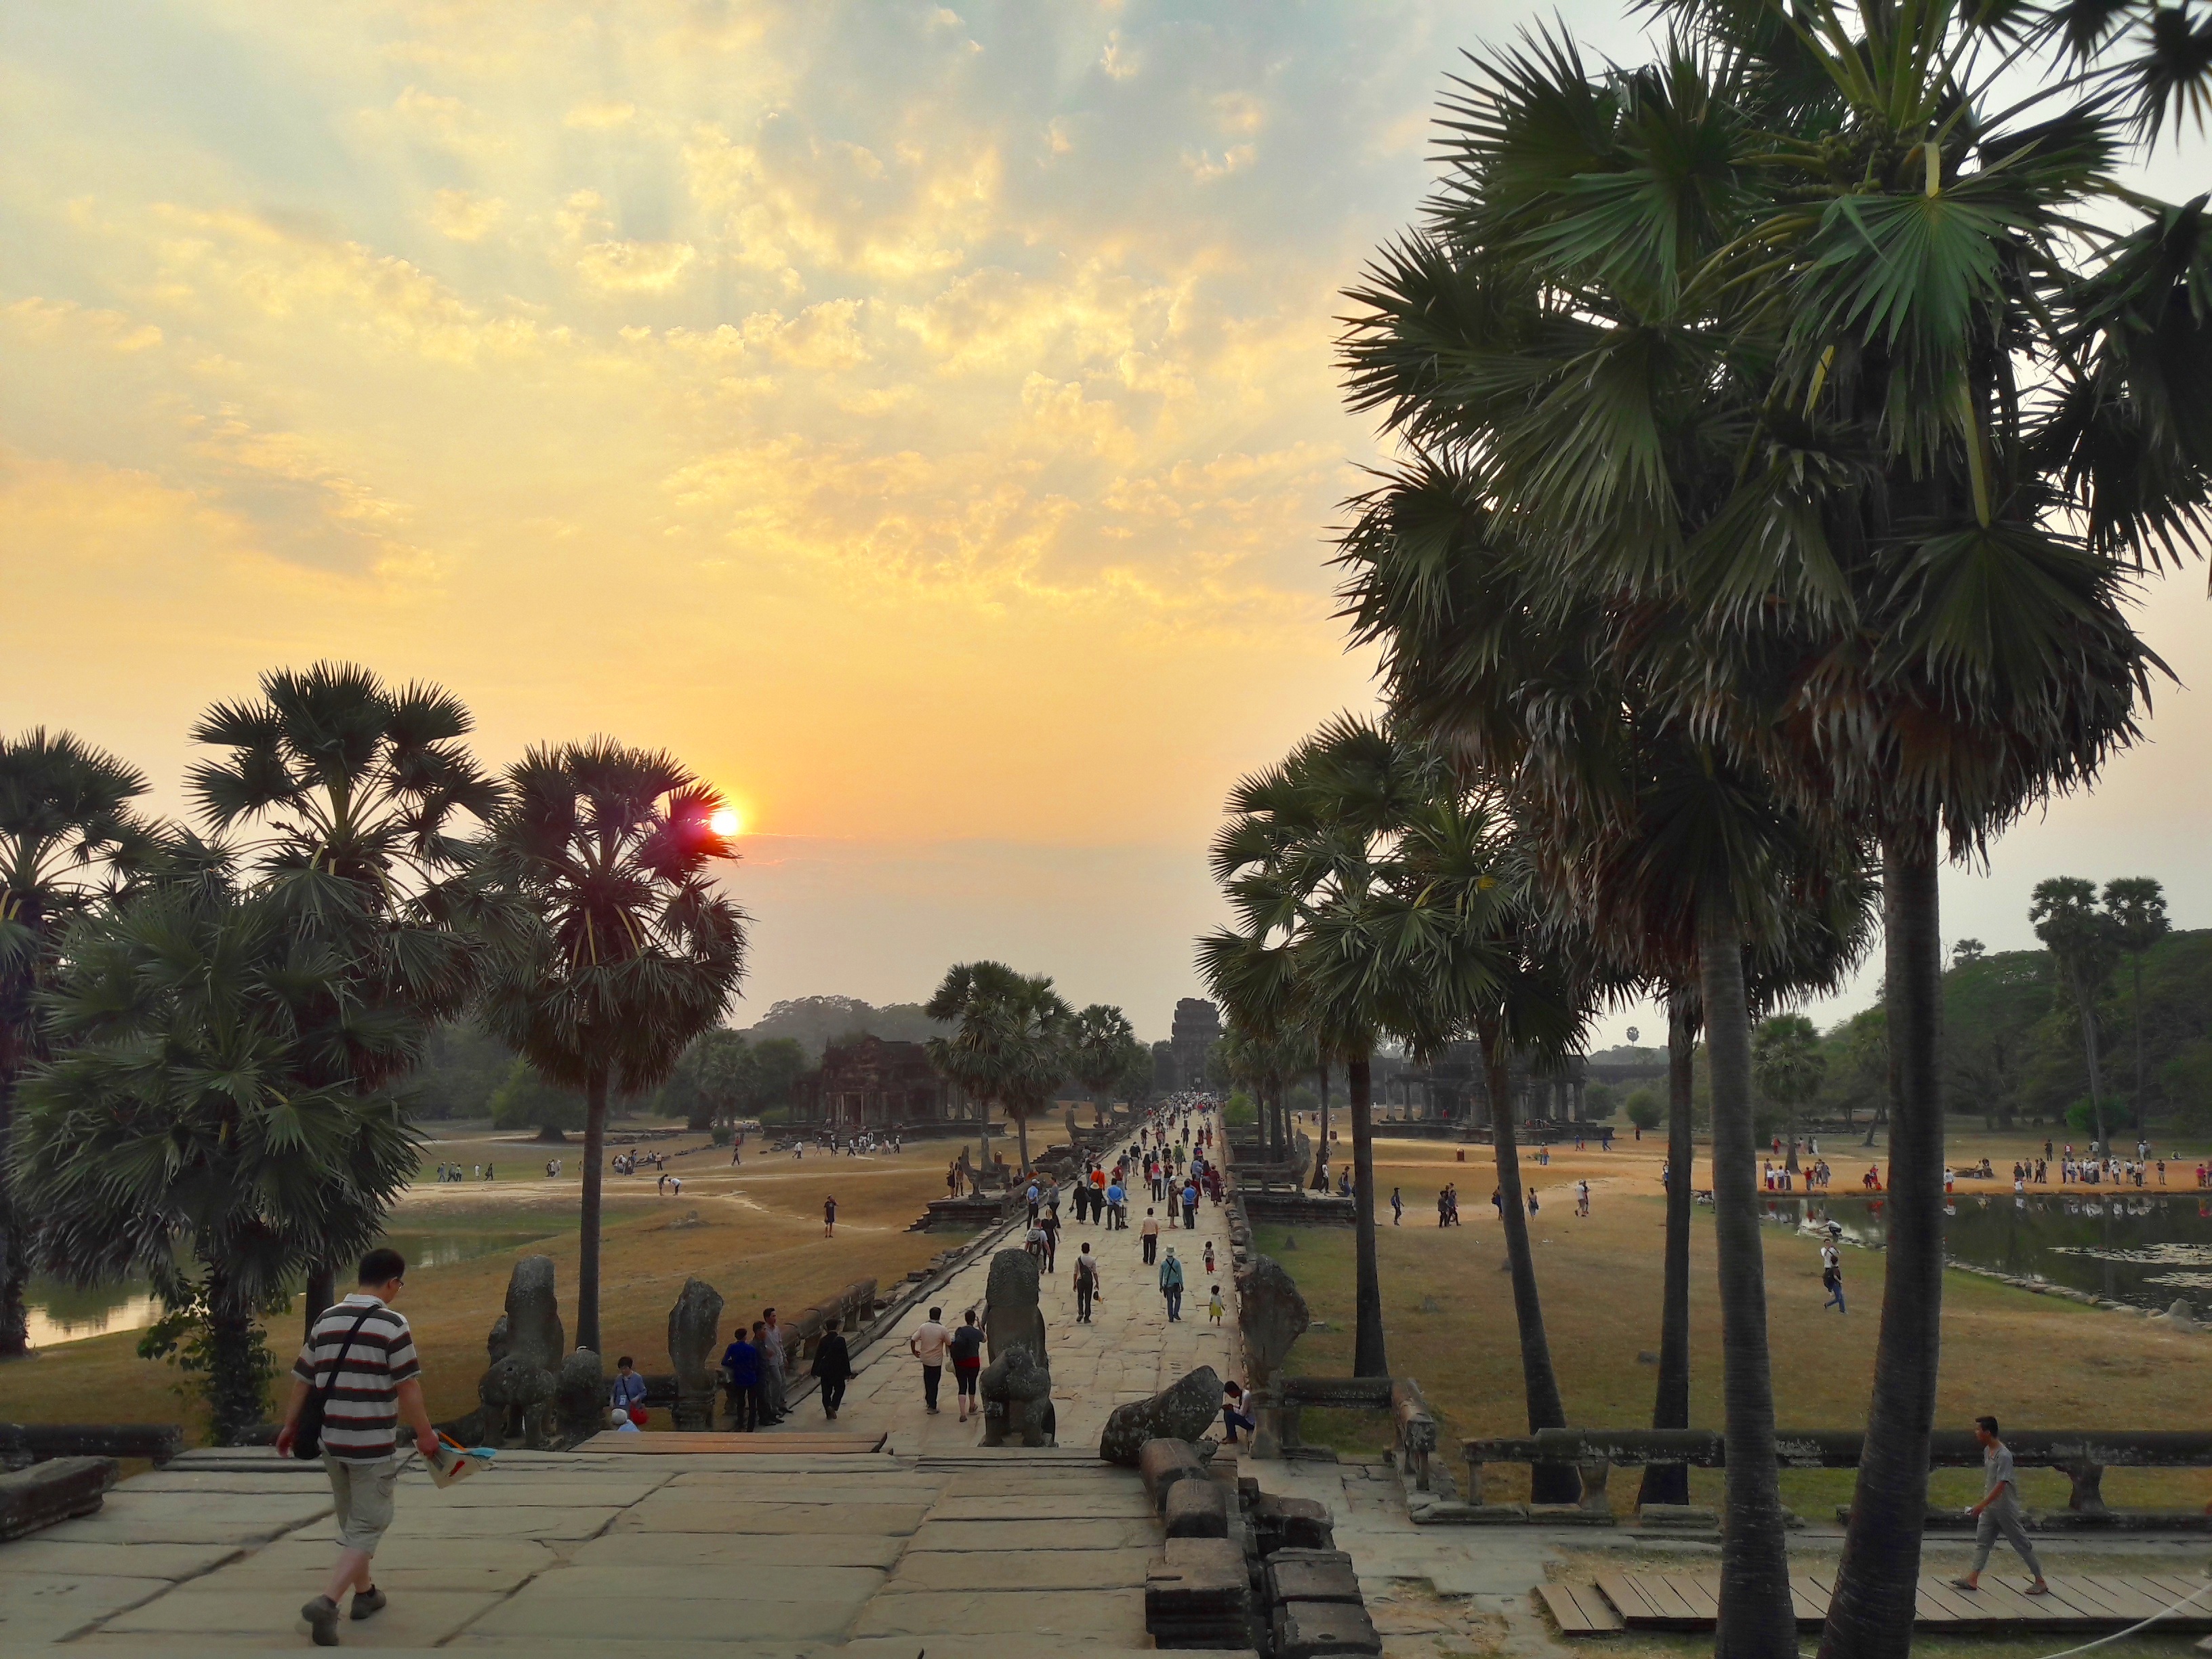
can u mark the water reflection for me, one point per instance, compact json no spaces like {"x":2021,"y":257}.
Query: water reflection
{"x":2137,"y":1248}
{"x":63,"y":1313}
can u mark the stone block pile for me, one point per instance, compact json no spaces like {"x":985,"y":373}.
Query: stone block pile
{"x":1240,"y":1569}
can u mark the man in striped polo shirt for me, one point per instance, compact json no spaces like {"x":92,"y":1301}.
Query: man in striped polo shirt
{"x":361,"y":1355}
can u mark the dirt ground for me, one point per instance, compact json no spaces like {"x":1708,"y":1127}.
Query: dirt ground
{"x":758,"y":1240}
{"x":2035,"y":1361}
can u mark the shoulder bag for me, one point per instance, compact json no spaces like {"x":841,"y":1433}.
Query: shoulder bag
{"x":307,"y":1435}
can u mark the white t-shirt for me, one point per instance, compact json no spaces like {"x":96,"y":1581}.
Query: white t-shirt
{"x":1150,"y":1228}
{"x":930,"y":1343}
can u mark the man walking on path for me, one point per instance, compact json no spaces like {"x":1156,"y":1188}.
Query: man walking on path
{"x":741,"y":1365}
{"x":1998,"y":1512}
{"x":1171,"y":1285}
{"x":1087,"y":1285}
{"x":1149,"y":1230}
{"x":360,"y":1361}
{"x":828,"y":1218}
{"x":770,"y":1343}
{"x":1397,"y":1207}
{"x":1117,"y":1208}
{"x":1190,"y":1206}
{"x":832,"y":1368}
{"x":929,"y":1345}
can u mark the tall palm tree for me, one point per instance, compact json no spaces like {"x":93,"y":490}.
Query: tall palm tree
{"x":1030,"y":1031}
{"x":615,"y":951}
{"x":348,"y":798}
{"x":170,"y":1136}
{"x":973,"y":1059}
{"x":1102,"y":1047}
{"x":1786,"y":1055}
{"x":2136,"y":905}
{"x":69,"y":835}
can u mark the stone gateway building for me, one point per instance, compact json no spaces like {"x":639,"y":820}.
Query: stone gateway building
{"x":1197,"y":1028}
{"x":869,"y":1083}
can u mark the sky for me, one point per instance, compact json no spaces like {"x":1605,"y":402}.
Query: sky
{"x":921,"y":420}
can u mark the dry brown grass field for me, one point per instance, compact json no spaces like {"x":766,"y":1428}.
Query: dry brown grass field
{"x":2035,"y":1361}
{"x":758,"y":1241}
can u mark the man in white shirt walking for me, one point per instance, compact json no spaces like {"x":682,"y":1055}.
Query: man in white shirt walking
{"x":928,"y":1345}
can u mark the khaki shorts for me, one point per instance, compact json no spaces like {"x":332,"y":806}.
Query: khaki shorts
{"x":362,"y":1493}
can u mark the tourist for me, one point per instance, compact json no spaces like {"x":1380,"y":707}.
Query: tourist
{"x":1048,"y":1230}
{"x":1171,"y":1285}
{"x":1209,"y":1257}
{"x":1831,"y":1276}
{"x":660,"y":1187}
{"x":929,"y":1344}
{"x":1214,"y":1306}
{"x":1398,"y":1208}
{"x":967,"y":1351}
{"x":1036,"y":1198}
{"x":1149,"y":1230}
{"x":1087,"y":1285}
{"x":1581,"y":1197}
{"x":952,"y":1179}
{"x":1190,"y":1206}
{"x":768,"y":1339}
{"x":1532,"y":1200}
{"x":628,"y":1389}
{"x":618,"y":1420}
{"x":1998,"y":1512}
{"x":741,"y":1378}
{"x":828,"y":1218}
{"x":487,"y":1172}
{"x":1233,"y":1419}
{"x":832,"y":1367}
{"x":1117,"y":1207}
{"x":359,"y":1364}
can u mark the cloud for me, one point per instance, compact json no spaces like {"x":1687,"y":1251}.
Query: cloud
{"x":51,"y":319}
{"x":600,"y":115}
{"x":457,"y":214}
{"x":1205,"y":169}
{"x":619,"y":267}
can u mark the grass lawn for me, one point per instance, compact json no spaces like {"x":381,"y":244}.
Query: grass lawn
{"x":759,"y":1242}
{"x":2036,"y":1362}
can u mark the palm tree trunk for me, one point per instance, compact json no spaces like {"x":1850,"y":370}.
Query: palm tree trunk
{"x":1756,"y":1620}
{"x":322,"y":1290}
{"x":14,"y":1282}
{"x":1870,"y":1616}
{"x":2086,"y":1001}
{"x":588,"y":1247}
{"x":1022,"y":1132}
{"x":1548,"y":1483}
{"x":234,"y":1381}
{"x":1321,"y":1157}
{"x":2136,"y":1019}
{"x":1368,"y":1357}
{"x":1669,"y":1483}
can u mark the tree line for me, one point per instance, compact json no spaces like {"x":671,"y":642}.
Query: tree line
{"x":1783,"y":425}
{"x":207,"y":1029}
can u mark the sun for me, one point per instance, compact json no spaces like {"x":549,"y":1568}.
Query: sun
{"x":725,"y":821}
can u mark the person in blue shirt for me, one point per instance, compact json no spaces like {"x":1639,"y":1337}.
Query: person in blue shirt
{"x":1189,"y":1205}
{"x":741,"y":1372}
{"x":628,"y":1389}
{"x":1117,"y":1214}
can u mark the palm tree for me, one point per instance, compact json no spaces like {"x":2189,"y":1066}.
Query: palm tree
{"x":614,"y":949}
{"x":2085,"y":944}
{"x":1010,"y":1044}
{"x":69,"y":835}
{"x":1102,"y":1047}
{"x":1786,"y":1058}
{"x":1706,"y":361}
{"x":2136,"y":905}
{"x":170,"y":1137}
{"x":355,"y":793}
{"x":1669,"y":1483}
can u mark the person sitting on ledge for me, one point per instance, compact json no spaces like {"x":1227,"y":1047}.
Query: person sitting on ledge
{"x":1232,"y":1412}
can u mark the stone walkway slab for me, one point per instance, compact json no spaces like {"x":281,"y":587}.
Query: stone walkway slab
{"x":1116,"y":1616}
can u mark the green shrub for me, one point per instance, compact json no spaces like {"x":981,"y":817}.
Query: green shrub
{"x":1645,"y":1110}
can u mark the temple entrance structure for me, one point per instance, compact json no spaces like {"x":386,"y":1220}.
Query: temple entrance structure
{"x":870,"y":1083}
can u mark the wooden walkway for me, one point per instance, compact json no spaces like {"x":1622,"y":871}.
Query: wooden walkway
{"x":796,"y":1444}
{"x":2078,"y":1602}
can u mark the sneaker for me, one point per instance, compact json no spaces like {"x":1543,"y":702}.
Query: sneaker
{"x":368,"y":1602}
{"x":322,"y":1617}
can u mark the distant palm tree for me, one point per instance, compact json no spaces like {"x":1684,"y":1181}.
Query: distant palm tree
{"x":972,"y":1059}
{"x":69,"y":835}
{"x":615,"y":949}
{"x":1102,"y":1047}
{"x":2136,"y":905}
{"x":1786,"y":1058}
{"x":2085,"y":943}
{"x":170,"y":1136}
{"x":354,"y":795}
